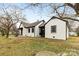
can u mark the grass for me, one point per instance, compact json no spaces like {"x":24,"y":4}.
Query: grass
{"x":27,"y":46}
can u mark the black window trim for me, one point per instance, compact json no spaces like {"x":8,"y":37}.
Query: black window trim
{"x":28,"y":30}
{"x":53,"y":31}
{"x":33,"y":30}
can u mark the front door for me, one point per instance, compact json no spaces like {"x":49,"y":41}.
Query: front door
{"x":42,"y":32}
{"x":21,"y":29}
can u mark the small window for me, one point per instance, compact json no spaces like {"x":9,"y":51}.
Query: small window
{"x":53,"y":29}
{"x":32,"y":30}
{"x":28,"y":30}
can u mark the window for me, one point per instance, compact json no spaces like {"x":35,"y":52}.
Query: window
{"x":53,"y":28}
{"x":28,"y":30}
{"x":32,"y":30}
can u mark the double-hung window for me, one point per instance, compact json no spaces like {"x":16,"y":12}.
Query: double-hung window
{"x":53,"y":29}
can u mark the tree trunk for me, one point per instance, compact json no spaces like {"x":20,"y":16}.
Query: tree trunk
{"x":2,"y":33}
{"x":7,"y":34}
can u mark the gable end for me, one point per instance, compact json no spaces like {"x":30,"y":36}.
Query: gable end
{"x":55,"y":18}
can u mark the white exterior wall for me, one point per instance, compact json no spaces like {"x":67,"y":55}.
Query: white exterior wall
{"x":36,"y":31}
{"x":29,"y":34}
{"x":60,"y":29}
{"x":24,"y":30}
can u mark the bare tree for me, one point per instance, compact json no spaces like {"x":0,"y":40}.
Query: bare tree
{"x":8,"y":18}
{"x":63,"y":14}
{"x":14,"y":31}
{"x":75,"y":6}
{"x":55,"y":8}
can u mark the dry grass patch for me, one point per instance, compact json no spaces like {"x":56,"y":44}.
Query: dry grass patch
{"x":31,"y":46}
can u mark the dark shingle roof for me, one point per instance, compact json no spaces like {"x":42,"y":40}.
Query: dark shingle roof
{"x":42,"y":24}
{"x":31,"y":24}
{"x":25,"y":24}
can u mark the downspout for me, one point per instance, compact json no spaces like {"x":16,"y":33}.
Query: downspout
{"x":34,"y":31}
{"x":66,"y":30}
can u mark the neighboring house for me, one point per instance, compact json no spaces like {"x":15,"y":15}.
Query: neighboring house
{"x":73,"y":33}
{"x":73,"y":28}
{"x":54,"y":29}
{"x":30,"y":29}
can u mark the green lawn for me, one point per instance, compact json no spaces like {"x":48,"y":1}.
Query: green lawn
{"x":27,"y":46}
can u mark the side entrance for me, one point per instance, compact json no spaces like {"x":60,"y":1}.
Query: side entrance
{"x":42,"y":31}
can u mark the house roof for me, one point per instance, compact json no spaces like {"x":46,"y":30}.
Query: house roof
{"x":55,"y":18}
{"x":25,"y":24}
{"x":42,"y":24}
{"x":31,"y":24}
{"x":37,"y":22}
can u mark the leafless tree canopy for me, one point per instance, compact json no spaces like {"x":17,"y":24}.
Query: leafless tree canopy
{"x":9,"y":17}
{"x":75,"y":6}
{"x":55,"y":8}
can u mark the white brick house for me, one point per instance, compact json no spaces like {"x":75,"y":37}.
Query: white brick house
{"x":54,"y":29}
